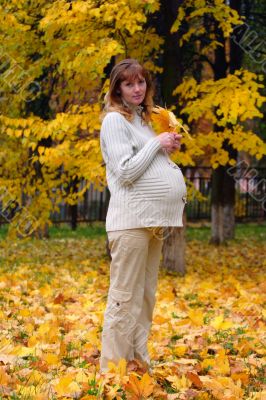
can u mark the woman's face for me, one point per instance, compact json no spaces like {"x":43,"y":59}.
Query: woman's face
{"x":133,"y":92}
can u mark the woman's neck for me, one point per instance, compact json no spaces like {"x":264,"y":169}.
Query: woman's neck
{"x":134,"y":108}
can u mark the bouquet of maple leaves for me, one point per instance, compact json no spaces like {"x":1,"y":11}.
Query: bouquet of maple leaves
{"x":165,"y":121}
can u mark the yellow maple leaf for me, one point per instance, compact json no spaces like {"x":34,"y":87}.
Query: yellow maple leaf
{"x":29,"y":328}
{"x":35,"y":377}
{"x":82,"y":376}
{"x":208,"y":363}
{"x":179,"y":382}
{"x":32,"y":341}
{"x":219,"y":364}
{"x":66,"y":385}
{"x":179,"y":351}
{"x":222,"y":363}
{"x":4,"y":377}
{"x":219,"y":323}
{"x":140,"y":388}
{"x":243,"y":376}
{"x":23,"y":351}
{"x":32,"y":391}
{"x":165,"y":121}
{"x":92,"y":337}
{"x":159,"y":319}
{"x":24,"y":312}
{"x":120,"y":368}
{"x":111,"y":393}
{"x":63,"y":348}
{"x":196,"y":316}
{"x":51,"y":359}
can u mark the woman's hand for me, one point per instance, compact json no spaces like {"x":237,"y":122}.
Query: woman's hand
{"x":170,"y":141}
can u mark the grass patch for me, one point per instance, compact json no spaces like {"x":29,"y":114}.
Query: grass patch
{"x":195,"y":231}
{"x":89,"y":230}
{"x":248,"y":230}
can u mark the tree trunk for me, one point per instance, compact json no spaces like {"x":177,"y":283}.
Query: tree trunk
{"x":222,"y":206}
{"x":74,"y":216}
{"x":73,"y":208}
{"x":174,"y":246}
{"x":42,"y":233}
{"x":171,"y":59}
{"x":223,"y":184}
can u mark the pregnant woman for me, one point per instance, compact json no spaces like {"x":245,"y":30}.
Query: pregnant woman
{"x":148,"y":193}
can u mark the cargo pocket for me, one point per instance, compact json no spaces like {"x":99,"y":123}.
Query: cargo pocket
{"x":123,"y":318}
{"x":120,"y":297}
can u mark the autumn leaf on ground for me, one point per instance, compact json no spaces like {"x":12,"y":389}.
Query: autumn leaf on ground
{"x":66,"y":386}
{"x":194,"y":378}
{"x":120,"y":368}
{"x":223,"y":388}
{"x":4,"y":377}
{"x":210,"y":331}
{"x":179,"y":383}
{"x":140,"y":388}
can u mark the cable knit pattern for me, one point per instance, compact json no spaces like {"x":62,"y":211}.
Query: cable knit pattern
{"x":147,"y":188}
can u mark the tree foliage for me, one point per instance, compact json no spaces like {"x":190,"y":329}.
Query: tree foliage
{"x":209,"y":99}
{"x":49,"y":135}
{"x":55,"y":58}
{"x":225,"y":103}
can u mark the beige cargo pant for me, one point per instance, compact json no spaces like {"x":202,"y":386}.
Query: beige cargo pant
{"x":134,"y":269}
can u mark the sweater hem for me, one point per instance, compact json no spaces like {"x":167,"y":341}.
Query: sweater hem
{"x":118,"y":228}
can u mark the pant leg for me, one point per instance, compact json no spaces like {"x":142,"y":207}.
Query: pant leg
{"x":129,"y":252}
{"x":142,"y":329}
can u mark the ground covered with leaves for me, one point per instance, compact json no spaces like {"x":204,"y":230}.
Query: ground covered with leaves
{"x":206,"y":340}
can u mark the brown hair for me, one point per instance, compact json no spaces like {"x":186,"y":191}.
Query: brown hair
{"x":128,"y":69}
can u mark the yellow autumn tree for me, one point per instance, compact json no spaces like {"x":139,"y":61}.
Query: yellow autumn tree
{"x":54,"y":57}
{"x":226,"y":98}
{"x":209,"y":99}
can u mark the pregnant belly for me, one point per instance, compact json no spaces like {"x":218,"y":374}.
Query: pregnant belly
{"x":178,"y":186}
{"x":168,"y":187}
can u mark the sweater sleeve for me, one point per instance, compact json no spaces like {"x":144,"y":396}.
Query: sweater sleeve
{"x":118,"y":151}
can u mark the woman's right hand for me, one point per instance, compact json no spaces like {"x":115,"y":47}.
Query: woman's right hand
{"x":170,"y":141}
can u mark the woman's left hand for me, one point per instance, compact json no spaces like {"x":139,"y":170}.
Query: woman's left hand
{"x":176,"y":143}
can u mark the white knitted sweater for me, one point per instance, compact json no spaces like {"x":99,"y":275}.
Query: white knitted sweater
{"x":147,"y":189}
